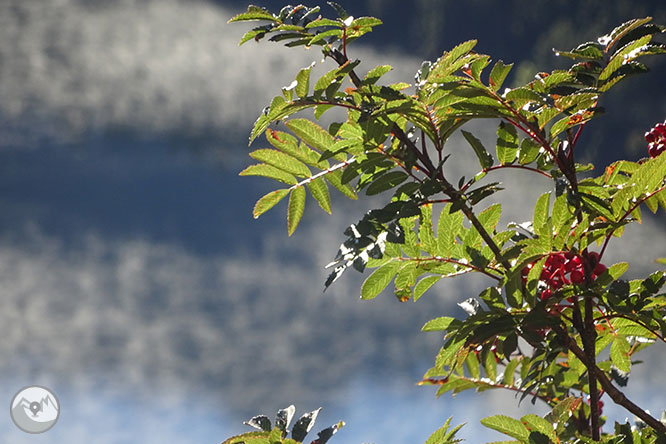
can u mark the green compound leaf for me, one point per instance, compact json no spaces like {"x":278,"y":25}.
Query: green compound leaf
{"x":619,"y":354}
{"x":319,"y":191}
{"x":253,"y":13}
{"x":537,"y":424}
{"x":507,"y":425}
{"x":445,"y":436}
{"x":283,"y":161}
{"x":268,"y":201}
{"x":485,"y":159}
{"x":528,"y":152}
{"x":498,"y":74}
{"x":249,"y":438}
{"x":379,"y":279}
{"x":507,"y":143}
{"x":375,"y":74}
{"x":269,"y":171}
{"x":541,"y":215}
{"x":438,"y":324}
{"x":424,"y":285}
{"x":386,"y":182}
{"x":303,"y":81}
{"x":295,"y":209}
{"x":311,"y":133}
{"x":448,"y":227}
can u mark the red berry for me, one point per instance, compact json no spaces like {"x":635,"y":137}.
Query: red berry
{"x":660,"y":128}
{"x":593,"y":258}
{"x":577,"y":277}
{"x":546,"y":294}
{"x":651,"y":151}
{"x":599,"y":270}
{"x":650,"y":137}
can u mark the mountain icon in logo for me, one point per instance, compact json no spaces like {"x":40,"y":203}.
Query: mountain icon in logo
{"x":35,"y":409}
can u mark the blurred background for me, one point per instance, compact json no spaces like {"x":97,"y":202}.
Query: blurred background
{"x":134,"y":281}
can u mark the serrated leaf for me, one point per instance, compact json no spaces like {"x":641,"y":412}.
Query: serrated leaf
{"x":424,"y":285}
{"x":311,"y":133}
{"x":472,"y":364}
{"x":498,"y":74}
{"x":619,"y":354}
{"x":268,"y":201}
{"x":541,"y":215}
{"x":507,"y":143}
{"x":319,"y":191}
{"x":426,"y":232}
{"x":249,"y":438}
{"x":443,"y":435}
{"x":528,"y":152}
{"x":385,"y":182}
{"x":379,"y":279}
{"x":622,"y":56}
{"x":490,"y":366}
{"x":269,"y":171}
{"x":448,"y":227}
{"x":509,"y":371}
{"x":507,"y":425}
{"x":522,"y":96}
{"x":253,"y":13}
{"x":279,"y":109}
{"x":283,"y":161}
{"x":438,"y":324}
{"x":295,"y":209}
{"x":537,"y":424}
{"x":303,"y":81}
{"x":375,"y":74}
{"x":485,"y":159}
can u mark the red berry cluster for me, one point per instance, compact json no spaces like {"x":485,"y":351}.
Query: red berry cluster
{"x":561,"y":269}
{"x":656,"y":139}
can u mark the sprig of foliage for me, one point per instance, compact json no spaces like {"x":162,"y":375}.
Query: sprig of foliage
{"x":277,"y":434}
{"x":553,"y":306}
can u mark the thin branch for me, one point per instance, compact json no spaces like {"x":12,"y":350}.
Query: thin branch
{"x":513,"y":388}
{"x":616,"y":395}
{"x":522,"y":167}
{"x":452,"y":261}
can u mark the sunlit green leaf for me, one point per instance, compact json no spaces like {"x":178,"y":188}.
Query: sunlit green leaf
{"x":311,"y":133}
{"x":498,"y":74}
{"x":379,"y":280}
{"x":269,"y":171}
{"x":319,"y":191}
{"x":295,"y":209}
{"x":268,"y":201}
{"x":424,"y":285}
{"x":507,"y":143}
{"x":619,"y":354}
{"x":507,"y":425}
{"x":448,"y":227}
{"x":253,"y":13}
{"x":438,"y":324}
{"x":303,"y":81}
{"x":283,"y":161}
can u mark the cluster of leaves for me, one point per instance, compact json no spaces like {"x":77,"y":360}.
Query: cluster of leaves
{"x":277,"y":434}
{"x":394,"y":138}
